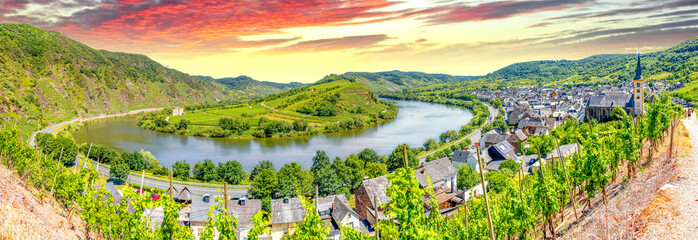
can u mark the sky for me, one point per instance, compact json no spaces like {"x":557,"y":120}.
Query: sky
{"x":305,"y":40}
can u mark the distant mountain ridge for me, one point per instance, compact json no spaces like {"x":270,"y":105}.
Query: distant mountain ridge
{"x":675,"y":63}
{"x":392,"y":81}
{"x":49,"y":77}
{"x":251,"y":87}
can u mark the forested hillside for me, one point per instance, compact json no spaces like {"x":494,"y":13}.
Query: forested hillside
{"x":49,"y":77}
{"x":394,"y":80}
{"x":253,"y":88}
{"x":677,"y":63}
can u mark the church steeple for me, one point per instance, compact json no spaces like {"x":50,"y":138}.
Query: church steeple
{"x":638,"y":69}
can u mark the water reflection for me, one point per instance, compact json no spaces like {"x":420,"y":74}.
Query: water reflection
{"x":415,"y":122}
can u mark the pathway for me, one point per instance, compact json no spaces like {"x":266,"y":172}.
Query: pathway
{"x":269,"y":107}
{"x":683,"y":224}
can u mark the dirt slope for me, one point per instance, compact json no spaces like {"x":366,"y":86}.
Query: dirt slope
{"x":24,"y":216}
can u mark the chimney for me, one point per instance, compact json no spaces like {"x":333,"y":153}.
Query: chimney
{"x":365,"y":178}
{"x":207,"y":197}
{"x":286,"y":200}
{"x":241,"y":202}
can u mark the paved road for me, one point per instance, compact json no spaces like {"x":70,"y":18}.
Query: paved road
{"x":195,"y":188}
{"x":474,"y":136}
{"x":52,"y":128}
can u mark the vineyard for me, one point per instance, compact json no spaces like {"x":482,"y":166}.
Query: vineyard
{"x":526,"y":206}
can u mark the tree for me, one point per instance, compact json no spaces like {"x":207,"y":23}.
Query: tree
{"x":231,"y":172}
{"x":183,"y":125}
{"x":326,"y":110}
{"x":300,"y":125}
{"x":264,"y":164}
{"x":448,"y":136}
{"x":500,"y":123}
{"x":180,"y":170}
{"x":397,"y":160}
{"x":205,"y":171}
{"x":430,"y":144}
{"x":264,"y":184}
{"x":235,"y":124}
{"x":151,"y":163}
{"x":368,"y":155}
{"x":320,"y":160}
{"x":467,"y":177}
{"x":355,"y":170}
{"x":512,"y":165}
{"x":618,"y":113}
{"x":327,"y":181}
{"x":374,"y":169}
{"x":119,"y":171}
{"x":294,"y":180}
{"x":498,"y":180}
{"x":312,"y":227}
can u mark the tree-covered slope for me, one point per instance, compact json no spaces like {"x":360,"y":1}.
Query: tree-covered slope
{"x":394,"y":80}
{"x":253,"y":88}
{"x":49,"y":77}
{"x":676,"y":63}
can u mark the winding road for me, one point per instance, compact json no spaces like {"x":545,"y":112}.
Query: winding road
{"x":164,"y":184}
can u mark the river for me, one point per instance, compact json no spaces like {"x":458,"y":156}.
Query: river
{"x":415,"y":123}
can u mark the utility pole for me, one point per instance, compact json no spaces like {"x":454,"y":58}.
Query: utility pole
{"x":404,"y":152}
{"x":225,"y":194}
{"x":484,"y":191}
{"x":171,"y":186}
{"x":375,"y":207}
{"x":317,"y":197}
{"x":88,"y":155}
{"x":142,"y":178}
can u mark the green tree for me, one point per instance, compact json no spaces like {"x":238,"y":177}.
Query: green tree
{"x":300,"y":125}
{"x":151,"y":163}
{"x":397,"y":160}
{"x":264,"y":164}
{"x":231,"y":172}
{"x":181,"y":170}
{"x":467,"y":177}
{"x":206,"y":171}
{"x":512,"y":165}
{"x":430,"y":144}
{"x":320,"y":160}
{"x":183,"y":125}
{"x":119,"y":171}
{"x":618,"y":113}
{"x":368,"y":155}
{"x":374,"y":169}
{"x":264,"y":184}
{"x":293,"y":180}
{"x":327,"y":181}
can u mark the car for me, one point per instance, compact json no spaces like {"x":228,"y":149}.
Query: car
{"x":532,"y":161}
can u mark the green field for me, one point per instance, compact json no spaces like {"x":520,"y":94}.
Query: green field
{"x":348,"y":105}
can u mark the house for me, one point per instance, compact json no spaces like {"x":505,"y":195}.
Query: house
{"x":441,"y":173}
{"x":502,"y":151}
{"x":566,"y":150}
{"x":198,"y":214}
{"x":492,"y":137}
{"x":184,"y":196}
{"x":178,"y":112}
{"x":335,"y":212}
{"x":461,"y":157}
{"x":368,"y":197}
{"x":518,"y":140}
{"x":284,"y":214}
{"x":533,"y":125}
{"x":243,"y":209}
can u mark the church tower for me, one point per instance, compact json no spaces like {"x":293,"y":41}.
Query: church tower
{"x":638,"y":88}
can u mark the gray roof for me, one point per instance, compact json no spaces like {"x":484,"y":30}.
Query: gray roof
{"x":244,"y":213}
{"x":116,"y":194}
{"x":289,"y":212}
{"x":377,"y":187}
{"x":184,"y":195}
{"x":338,"y":205}
{"x":437,"y":170}
{"x":520,"y":134}
{"x":532,"y":122}
{"x":493,"y":137}
{"x":506,"y":150}
{"x":611,"y":100}
{"x":462,"y":156}
{"x":494,"y":165}
{"x":200,"y":207}
{"x":566,"y":150}
{"x":156,"y":216}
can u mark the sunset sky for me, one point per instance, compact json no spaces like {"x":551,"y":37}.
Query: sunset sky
{"x":304,"y":40}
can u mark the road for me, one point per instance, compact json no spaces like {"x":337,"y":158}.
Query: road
{"x":474,"y":136}
{"x":195,"y":188}
{"x":52,"y":128}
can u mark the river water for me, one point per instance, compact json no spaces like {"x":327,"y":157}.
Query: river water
{"x":415,"y":123}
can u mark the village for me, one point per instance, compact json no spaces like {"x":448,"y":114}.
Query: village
{"x":529,"y":111}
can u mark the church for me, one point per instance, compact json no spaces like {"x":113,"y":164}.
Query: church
{"x":600,"y":107}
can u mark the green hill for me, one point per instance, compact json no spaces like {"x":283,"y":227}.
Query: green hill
{"x":50,"y":78}
{"x":253,"y":88}
{"x":322,"y":107}
{"x":678,"y":63}
{"x":394,"y":80}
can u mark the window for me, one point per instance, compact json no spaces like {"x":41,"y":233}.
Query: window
{"x":638,"y":90}
{"x":639,"y":85}
{"x":637,"y":97}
